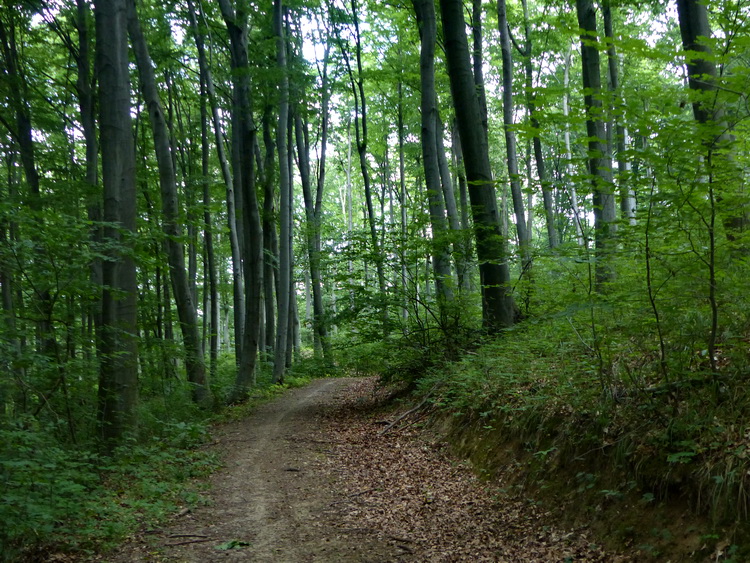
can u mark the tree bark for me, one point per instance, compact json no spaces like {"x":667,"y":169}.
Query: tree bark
{"x":622,"y":137}
{"x":285,"y":255}
{"x":510,"y":138}
{"x":497,"y":301}
{"x":599,"y":160}
{"x":425,"y":10}
{"x":118,"y":379}
{"x":243,"y":141}
{"x":186,"y":309}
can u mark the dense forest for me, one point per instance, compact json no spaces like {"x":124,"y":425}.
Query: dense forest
{"x":535,"y":212}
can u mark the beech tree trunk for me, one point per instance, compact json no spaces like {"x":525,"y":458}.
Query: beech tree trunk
{"x":285,"y":255}
{"x":186,"y":309}
{"x":497,"y":301}
{"x":243,"y":142}
{"x":425,"y":10}
{"x":622,"y":137}
{"x":118,"y":378}
{"x":599,"y":159}
{"x":510,"y":138}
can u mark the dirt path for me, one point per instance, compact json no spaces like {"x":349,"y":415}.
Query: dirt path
{"x":311,"y":477}
{"x":273,"y":494}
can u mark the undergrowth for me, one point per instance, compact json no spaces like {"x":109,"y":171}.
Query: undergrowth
{"x":58,"y":497}
{"x":601,"y":425}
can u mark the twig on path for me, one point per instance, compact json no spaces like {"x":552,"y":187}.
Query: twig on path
{"x":352,"y":495}
{"x":188,"y":536}
{"x":189,"y":542}
{"x":410,"y":411}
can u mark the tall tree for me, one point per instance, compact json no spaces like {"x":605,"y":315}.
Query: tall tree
{"x":118,"y":379}
{"x":186,"y":307}
{"x":285,"y":250}
{"x":425,"y":10}
{"x":497,"y":301}
{"x":524,"y":240}
{"x":243,"y":143}
{"x":599,"y":159}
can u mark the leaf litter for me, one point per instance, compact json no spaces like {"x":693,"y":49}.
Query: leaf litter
{"x":431,"y":506}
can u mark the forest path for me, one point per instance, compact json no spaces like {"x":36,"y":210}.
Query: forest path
{"x":311,"y":477}
{"x":272,"y":493}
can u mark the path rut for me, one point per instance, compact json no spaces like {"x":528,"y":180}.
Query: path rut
{"x":272,"y":494}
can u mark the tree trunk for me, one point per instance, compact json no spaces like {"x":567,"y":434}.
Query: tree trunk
{"x":510,"y":138}
{"x":497,"y":300}
{"x":599,"y":160}
{"x":234,"y":243}
{"x":285,"y":254}
{"x":118,"y":379}
{"x":622,"y":137}
{"x":243,"y":142}
{"x":541,"y":168}
{"x":709,"y":110}
{"x":360,"y":127}
{"x":186,"y":309}
{"x":425,"y":10}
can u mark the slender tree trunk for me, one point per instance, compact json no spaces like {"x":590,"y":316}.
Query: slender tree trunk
{"x":402,"y":200}
{"x":243,"y":142}
{"x":571,"y":188}
{"x":425,"y":10}
{"x":269,"y":236}
{"x":622,"y":137}
{"x":599,"y":160}
{"x":497,"y":301}
{"x":360,"y":127}
{"x":234,"y":243}
{"x":541,"y":168}
{"x":285,"y":256}
{"x":118,"y":380}
{"x":510,"y":138}
{"x":186,"y":310}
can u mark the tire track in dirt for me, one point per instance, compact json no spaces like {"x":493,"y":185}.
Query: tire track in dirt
{"x":272,"y":493}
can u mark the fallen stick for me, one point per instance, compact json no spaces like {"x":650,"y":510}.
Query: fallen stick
{"x":189,"y":542}
{"x":410,"y":411}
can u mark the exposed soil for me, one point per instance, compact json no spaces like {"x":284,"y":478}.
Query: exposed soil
{"x":312,"y":476}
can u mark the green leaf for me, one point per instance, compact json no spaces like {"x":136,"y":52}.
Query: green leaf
{"x":233,"y":544}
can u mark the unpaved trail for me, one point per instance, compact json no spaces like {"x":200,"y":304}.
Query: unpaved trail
{"x":273,"y":493}
{"x":317,"y":476}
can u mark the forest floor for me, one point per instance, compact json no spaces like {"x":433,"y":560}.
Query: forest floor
{"x":319,"y":474}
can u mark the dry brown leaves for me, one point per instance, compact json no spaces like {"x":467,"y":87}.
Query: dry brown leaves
{"x":432,"y":507}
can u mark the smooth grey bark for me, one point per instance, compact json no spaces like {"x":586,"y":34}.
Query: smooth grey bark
{"x":211,"y":297}
{"x":622,"y":136}
{"x":571,"y":188}
{"x":243,"y":143}
{"x":313,"y":208}
{"x":460,"y":253}
{"x":285,"y":254}
{"x":510,"y":137}
{"x":269,"y":236}
{"x":478,"y":60}
{"x":710,"y":110}
{"x":402,"y":199}
{"x":599,"y":159}
{"x":425,"y":11}
{"x":118,"y":377}
{"x":183,"y":294}
{"x":226,"y":172}
{"x":360,"y":129}
{"x":531,"y":107}
{"x":464,"y":275}
{"x":497,"y":301}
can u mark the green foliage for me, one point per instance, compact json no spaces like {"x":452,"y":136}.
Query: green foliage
{"x":72,"y":499}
